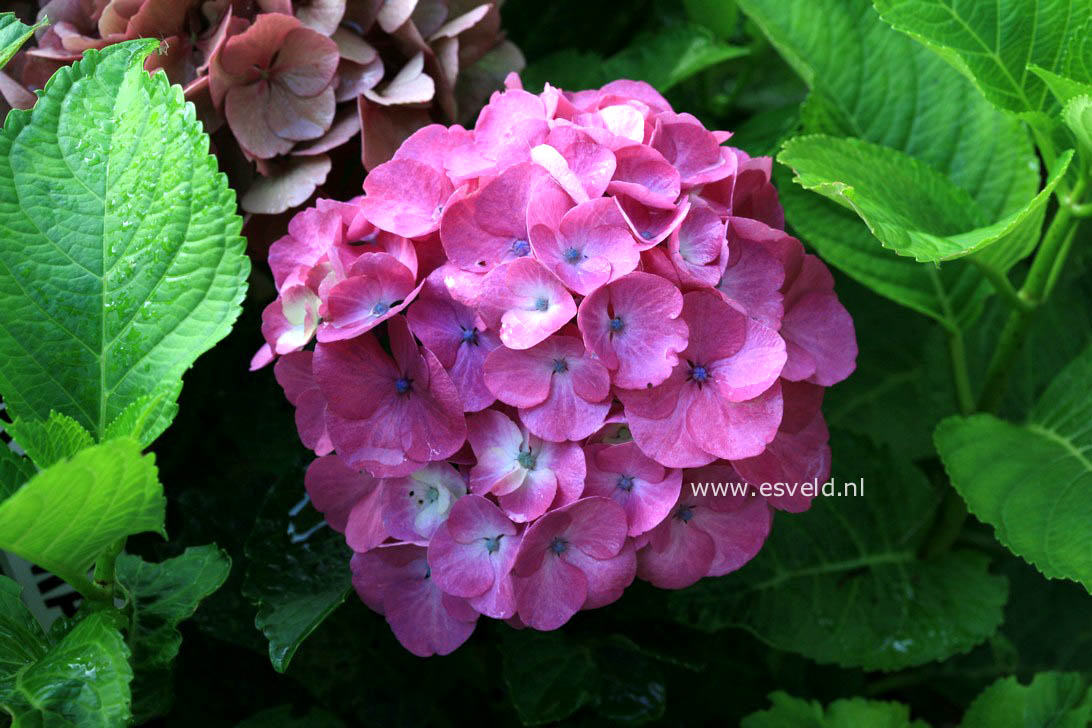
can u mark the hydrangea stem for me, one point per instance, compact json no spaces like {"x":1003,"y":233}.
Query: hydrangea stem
{"x":1041,"y":278}
{"x":104,"y":571}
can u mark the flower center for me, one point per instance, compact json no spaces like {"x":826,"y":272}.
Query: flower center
{"x":492,"y":543}
{"x":542,"y":304}
{"x":685,"y":513}
{"x":380,"y":308}
{"x":699,"y":374}
{"x":402,"y":385}
{"x":560,"y":365}
{"x":625,"y":483}
{"x":558,"y":546}
{"x":526,"y":459}
{"x":521,"y":247}
{"x":571,"y":255}
{"x":470,"y":336}
{"x":647,"y":235}
{"x":616,"y":324}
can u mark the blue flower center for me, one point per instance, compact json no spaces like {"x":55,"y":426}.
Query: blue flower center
{"x":380,"y":308}
{"x":571,"y":255}
{"x":647,"y":235}
{"x":542,"y":304}
{"x":402,"y":385}
{"x":526,"y":460}
{"x":685,"y":514}
{"x":560,"y":365}
{"x":521,"y":247}
{"x":470,"y":336}
{"x":558,"y":546}
{"x":699,"y":374}
{"x":625,"y":482}
{"x":492,"y":543}
{"x":616,"y":324}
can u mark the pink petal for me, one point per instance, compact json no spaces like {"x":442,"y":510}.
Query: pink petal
{"x":405,"y":197}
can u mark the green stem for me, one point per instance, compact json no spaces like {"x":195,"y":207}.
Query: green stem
{"x":104,"y":568}
{"x":1002,"y":285}
{"x":88,"y":590}
{"x":1041,"y":277}
{"x":958,"y":352}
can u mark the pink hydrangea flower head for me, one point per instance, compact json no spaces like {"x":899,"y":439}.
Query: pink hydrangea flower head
{"x":562,"y":392}
{"x":705,"y":535}
{"x":555,"y":351}
{"x":576,"y":557}
{"x":527,"y":474}
{"x":397,"y":583}
{"x":472,"y":553}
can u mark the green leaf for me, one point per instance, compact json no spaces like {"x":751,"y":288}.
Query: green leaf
{"x":49,"y":441}
{"x":1077,"y":115}
{"x":632,"y":687}
{"x":22,"y":641}
{"x":993,"y":42}
{"x":790,"y":712}
{"x":953,"y":294}
{"x":1059,"y":700}
{"x":663,"y":59}
{"x":14,"y":471}
{"x":119,"y":242}
{"x":297,"y":571}
{"x":871,"y":82}
{"x":842,"y":583}
{"x":910,"y":207}
{"x":160,"y":596}
{"x":1063,"y":87}
{"x":1038,"y":497}
{"x":720,"y":16}
{"x":147,"y":417}
{"x":82,"y":681}
{"x":549,"y":675}
{"x":69,"y":513}
{"x":13,"y":34}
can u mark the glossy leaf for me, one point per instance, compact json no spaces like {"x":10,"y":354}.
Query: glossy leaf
{"x":993,"y":42}
{"x":789,"y":712}
{"x":298,"y":571}
{"x":69,"y":513}
{"x":871,"y":82}
{"x":1038,"y":498}
{"x":148,"y":416}
{"x":13,"y":34}
{"x":107,"y":183}
{"x":160,"y":596}
{"x":549,"y":675}
{"x":1061,"y":700}
{"x":1077,"y":115}
{"x":83,"y":680}
{"x":842,"y":583}
{"x":47,"y":441}
{"x":910,"y":207}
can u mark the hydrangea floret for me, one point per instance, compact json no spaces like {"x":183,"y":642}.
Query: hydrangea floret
{"x":518,"y":350}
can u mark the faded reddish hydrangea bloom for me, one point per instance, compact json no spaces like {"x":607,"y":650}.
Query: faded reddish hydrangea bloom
{"x":531,"y":338}
{"x":283,"y":85}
